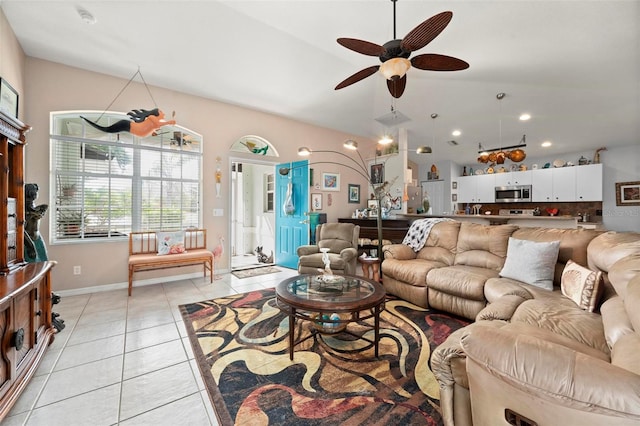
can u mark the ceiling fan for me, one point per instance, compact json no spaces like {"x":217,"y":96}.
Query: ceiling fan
{"x":394,"y":54}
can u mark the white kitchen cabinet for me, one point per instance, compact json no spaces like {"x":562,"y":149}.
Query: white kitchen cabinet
{"x":589,"y":182}
{"x":513,"y":178}
{"x":466,"y":189}
{"x":551,"y":185}
{"x":485,"y":189}
{"x":564,"y":184}
{"x":476,"y":189}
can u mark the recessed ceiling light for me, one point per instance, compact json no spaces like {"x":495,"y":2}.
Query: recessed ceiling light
{"x":525,"y":117}
{"x":456,"y":133}
{"x":546,"y":144}
{"x":85,"y":15}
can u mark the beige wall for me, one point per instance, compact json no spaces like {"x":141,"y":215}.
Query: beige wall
{"x":12,"y":61}
{"x":56,"y":87}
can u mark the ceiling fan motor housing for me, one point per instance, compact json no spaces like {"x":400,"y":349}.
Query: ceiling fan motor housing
{"x":392,"y":50}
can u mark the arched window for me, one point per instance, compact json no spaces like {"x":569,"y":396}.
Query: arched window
{"x":105,"y":185}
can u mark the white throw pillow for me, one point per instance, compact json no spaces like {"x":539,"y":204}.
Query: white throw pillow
{"x":531,"y":262}
{"x":170,"y":242}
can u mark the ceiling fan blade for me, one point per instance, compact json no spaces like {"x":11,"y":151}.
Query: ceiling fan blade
{"x":361,"y":46}
{"x":358,"y":76}
{"x":396,"y":87}
{"x":424,"y":33}
{"x":435,"y":62}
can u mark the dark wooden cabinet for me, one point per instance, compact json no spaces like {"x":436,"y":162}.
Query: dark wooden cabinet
{"x":25,"y":288}
{"x":393,"y":230}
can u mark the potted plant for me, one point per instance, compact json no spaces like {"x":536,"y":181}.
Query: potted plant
{"x":69,"y":190}
{"x":70,"y":222}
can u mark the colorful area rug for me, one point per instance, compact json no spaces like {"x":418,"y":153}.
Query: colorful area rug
{"x":241,"y":346}
{"x":254,"y":272}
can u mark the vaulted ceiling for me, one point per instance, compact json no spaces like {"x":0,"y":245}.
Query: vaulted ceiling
{"x":573,"y":65}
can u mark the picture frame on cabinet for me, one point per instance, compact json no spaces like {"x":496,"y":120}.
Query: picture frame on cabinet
{"x":8,"y":99}
{"x":372,"y":205}
{"x":628,"y":193}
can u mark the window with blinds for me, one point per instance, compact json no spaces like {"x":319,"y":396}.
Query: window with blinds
{"x":106,"y":185}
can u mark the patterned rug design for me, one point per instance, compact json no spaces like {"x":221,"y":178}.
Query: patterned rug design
{"x":241,"y":346}
{"x":254,"y":272}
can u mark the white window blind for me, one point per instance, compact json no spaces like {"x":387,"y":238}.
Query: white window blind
{"x":106,"y":185}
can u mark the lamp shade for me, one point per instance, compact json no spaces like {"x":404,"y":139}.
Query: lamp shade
{"x":423,"y":150}
{"x":394,"y":69}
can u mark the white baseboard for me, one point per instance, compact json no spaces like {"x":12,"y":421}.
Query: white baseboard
{"x":125,"y":285}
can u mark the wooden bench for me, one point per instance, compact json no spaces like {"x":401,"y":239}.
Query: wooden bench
{"x":143,"y":253}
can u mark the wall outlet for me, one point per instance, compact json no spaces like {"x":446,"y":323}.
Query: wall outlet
{"x":77,"y":270}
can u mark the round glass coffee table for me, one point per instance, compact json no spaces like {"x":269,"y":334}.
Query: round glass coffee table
{"x":330,"y":303}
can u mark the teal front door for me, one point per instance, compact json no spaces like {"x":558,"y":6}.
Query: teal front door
{"x":292,"y":230}
{"x":292,"y":200}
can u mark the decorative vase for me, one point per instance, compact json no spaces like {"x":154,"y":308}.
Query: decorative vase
{"x":288,"y":208}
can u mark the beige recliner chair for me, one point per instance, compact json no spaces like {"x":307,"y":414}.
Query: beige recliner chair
{"x":342,"y":241}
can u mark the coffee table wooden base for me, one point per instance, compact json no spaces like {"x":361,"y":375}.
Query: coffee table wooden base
{"x":309,"y":298}
{"x":355,"y":317}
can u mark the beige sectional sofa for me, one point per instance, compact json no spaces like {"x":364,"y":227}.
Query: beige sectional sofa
{"x":531,"y":355}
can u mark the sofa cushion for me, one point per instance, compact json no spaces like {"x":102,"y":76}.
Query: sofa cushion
{"x":625,"y":353}
{"x":581,"y":285}
{"x":615,"y":320}
{"x":460,"y":280}
{"x":561,"y":316}
{"x":412,"y":272}
{"x":531,"y":262}
{"x":483,"y":246}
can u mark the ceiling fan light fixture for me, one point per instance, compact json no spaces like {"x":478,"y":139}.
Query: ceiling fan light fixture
{"x":350,"y":144}
{"x":395,"y":68}
{"x":423,"y":150}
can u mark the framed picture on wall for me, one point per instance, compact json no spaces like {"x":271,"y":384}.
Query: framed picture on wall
{"x":331,"y":181}
{"x":454,"y":197}
{"x":628,"y":193}
{"x":377,"y":174}
{"x":316,"y":202}
{"x":454,"y":185}
{"x":354,"y":193}
{"x":8,"y":99}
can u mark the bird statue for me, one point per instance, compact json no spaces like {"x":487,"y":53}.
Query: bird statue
{"x":218,"y":251}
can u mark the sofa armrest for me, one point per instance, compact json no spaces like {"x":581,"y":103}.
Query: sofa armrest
{"x":306,"y":250}
{"x":501,"y":309}
{"x":398,"y":252}
{"x":348,"y":254}
{"x":552,"y":372}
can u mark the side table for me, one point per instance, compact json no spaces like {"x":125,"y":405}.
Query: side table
{"x":370,"y":267}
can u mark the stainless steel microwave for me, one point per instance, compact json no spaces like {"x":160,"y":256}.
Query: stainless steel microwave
{"x":513,"y":194}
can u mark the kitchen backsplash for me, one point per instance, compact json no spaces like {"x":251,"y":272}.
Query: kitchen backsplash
{"x":593,"y":209}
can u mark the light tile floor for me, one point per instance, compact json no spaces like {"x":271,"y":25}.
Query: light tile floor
{"x":126,"y":360}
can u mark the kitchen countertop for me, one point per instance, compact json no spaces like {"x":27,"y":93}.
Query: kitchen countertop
{"x":491,"y":216}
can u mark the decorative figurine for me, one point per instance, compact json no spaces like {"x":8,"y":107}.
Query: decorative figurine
{"x":142,"y":123}
{"x":34,"y":248}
